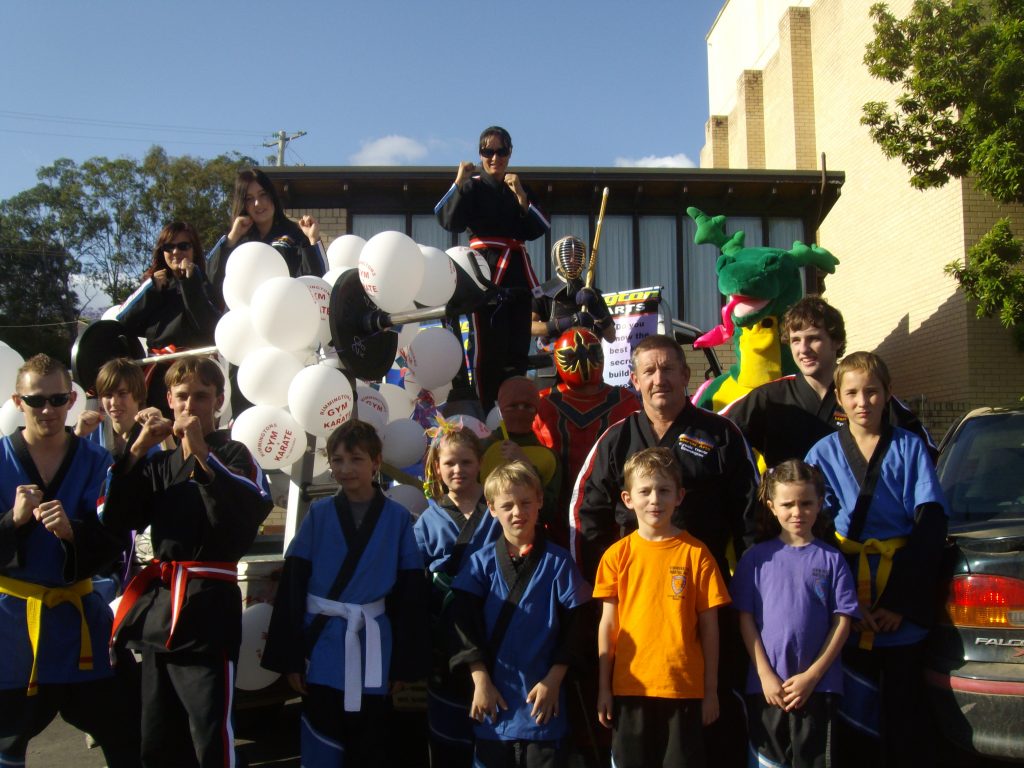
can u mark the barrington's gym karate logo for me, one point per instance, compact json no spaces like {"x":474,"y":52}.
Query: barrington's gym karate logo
{"x":677,"y":581}
{"x":694,"y":446}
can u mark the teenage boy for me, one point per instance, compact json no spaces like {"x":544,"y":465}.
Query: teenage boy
{"x":516,"y":611}
{"x":205,"y":501}
{"x":53,"y":627}
{"x":121,"y":389}
{"x":350,"y":615}
{"x":660,"y":589}
{"x":784,"y":418}
{"x":890,"y":519}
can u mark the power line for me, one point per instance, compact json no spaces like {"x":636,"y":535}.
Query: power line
{"x":149,"y":140}
{"x":125,"y":124}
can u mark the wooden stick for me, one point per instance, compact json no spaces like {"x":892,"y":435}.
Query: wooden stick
{"x":597,"y":240}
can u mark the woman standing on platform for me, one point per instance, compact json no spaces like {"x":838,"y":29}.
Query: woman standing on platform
{"x":497,"y":210}
{"x":257,"y":215}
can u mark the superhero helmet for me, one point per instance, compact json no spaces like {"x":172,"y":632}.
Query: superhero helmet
{"x":579,"y":357}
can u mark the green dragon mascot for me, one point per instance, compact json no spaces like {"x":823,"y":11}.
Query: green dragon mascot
{"x":759,"y":284}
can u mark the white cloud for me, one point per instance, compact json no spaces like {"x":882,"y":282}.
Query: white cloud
{"x":389,"y":150}
{"x":655,"y":161}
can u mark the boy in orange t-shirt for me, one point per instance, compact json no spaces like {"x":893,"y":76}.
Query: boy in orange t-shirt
{"x":658,"y":637}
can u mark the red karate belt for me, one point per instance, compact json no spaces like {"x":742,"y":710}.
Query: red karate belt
{"x":506,"y":245}
{"x":175,"y":574}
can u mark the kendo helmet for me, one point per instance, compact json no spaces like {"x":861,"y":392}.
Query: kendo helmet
{"x":579,"y":357}
{"x":569,"y":257}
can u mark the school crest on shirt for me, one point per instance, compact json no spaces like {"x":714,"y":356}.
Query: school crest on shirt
{"x":677,"y":582}
{"x":693,"y":445}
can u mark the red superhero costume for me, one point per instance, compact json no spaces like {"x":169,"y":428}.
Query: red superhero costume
{"x":572,"y":414}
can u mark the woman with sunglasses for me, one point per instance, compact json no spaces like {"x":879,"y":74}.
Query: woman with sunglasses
{"x":257,"y":215}
{"x":174,"y":306}
{"x":498,"y":211}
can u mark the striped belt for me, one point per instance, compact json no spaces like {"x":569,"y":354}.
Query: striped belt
{"x":886,"y":549}
{"x":35,"y":597}
{"x":507,"y":245}
{"x":174,"y":574}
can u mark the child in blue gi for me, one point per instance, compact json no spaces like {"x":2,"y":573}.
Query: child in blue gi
{"x":797,"y":601}
{"x":517,"y":617}
{"x":890,"y":519}
{"x":349,"y":610}
{"x":454,"y":525}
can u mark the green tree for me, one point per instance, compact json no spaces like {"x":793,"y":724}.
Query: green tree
{"x":960,"y":113}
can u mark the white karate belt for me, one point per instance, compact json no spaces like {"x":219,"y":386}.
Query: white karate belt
{"x":357,"y":617}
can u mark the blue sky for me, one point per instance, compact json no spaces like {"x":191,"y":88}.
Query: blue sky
{"x":596,"y":83}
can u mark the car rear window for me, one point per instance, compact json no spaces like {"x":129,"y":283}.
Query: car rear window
{"x":981,"y":468}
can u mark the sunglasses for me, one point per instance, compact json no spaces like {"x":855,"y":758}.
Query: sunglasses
{"x":500,"y":152}
{"x":183,"y":246}
{"x":38,"y":401}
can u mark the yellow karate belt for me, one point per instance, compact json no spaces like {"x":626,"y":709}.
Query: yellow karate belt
{"x":886,"y":548}
{"x":35,"y":597}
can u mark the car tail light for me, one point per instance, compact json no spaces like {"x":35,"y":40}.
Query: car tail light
{"x":986,"y":601}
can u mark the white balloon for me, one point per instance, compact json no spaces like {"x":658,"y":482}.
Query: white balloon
{"x":250,"y":676}
{"x":406,"y":333}
{"x":249,"y":266}
{"x":404,"y":442}
{"x":439,"y":277}
{"x":235,"y":336}
{"x":391,"y":270}
{"x":110,"y":313}
{"x":284,"y":313}
{"x":78,"y":408}
{"x":440,"y":394}
{"x":373,"y":408}
{"x":320,"y":292}
{"x":461,"y":255}
{"x":494,"y":419}
{"x":400,"y":403}
{"x":320,"y":399}
{"x":272,"y":436}
{"x":473,"y":423}
{"x":435,"y":356}
{"x":332,"y":275}
{"x":344,"y":251}
{"x":10,"y":418}
{"x":265,"y":375}
{"x":10,"y":362}
{"x":409,"y":496}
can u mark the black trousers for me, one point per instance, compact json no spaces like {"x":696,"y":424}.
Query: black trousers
{"x":333,"y":737}
{"x":904,"y":724}
{"x":491,"y":753}
{"x":657,"y":733}
{"x":105,"y":709}
{"x":501,"y":343}
{"x":725,"y":740}
{"x":802,"y":738}
{"x":186,"y":710}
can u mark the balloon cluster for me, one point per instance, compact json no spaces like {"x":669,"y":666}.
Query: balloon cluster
{"x":277,"y":331}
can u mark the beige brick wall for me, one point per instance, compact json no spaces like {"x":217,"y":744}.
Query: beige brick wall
{"x":333,"y":221}
{"x":715,"y":152}
{"x":892,"y":240}
{"x":746,"y":122}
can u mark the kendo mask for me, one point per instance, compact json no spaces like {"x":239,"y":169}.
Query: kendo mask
{"x":579,"y":357}
{"x":569,"y":258}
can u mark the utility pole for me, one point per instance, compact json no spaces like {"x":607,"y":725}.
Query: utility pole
{"x":282,"y":139}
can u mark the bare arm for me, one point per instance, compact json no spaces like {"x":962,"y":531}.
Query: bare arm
{"x":771,"y":683}
{"x":707,"y":626}
{"x":607,"y":631}
{"x":800,"y":687}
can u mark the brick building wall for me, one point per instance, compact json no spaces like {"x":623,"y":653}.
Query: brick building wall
{"x":892,"y":241}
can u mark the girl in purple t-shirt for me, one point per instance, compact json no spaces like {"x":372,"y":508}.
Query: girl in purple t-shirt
{"x":797,"y":600}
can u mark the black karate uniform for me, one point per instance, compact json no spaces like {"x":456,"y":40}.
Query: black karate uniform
{"x":784,"y":418}
{"x":188,"y":676}
{"x":184,"y":313}
{"x":501,"y":332}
